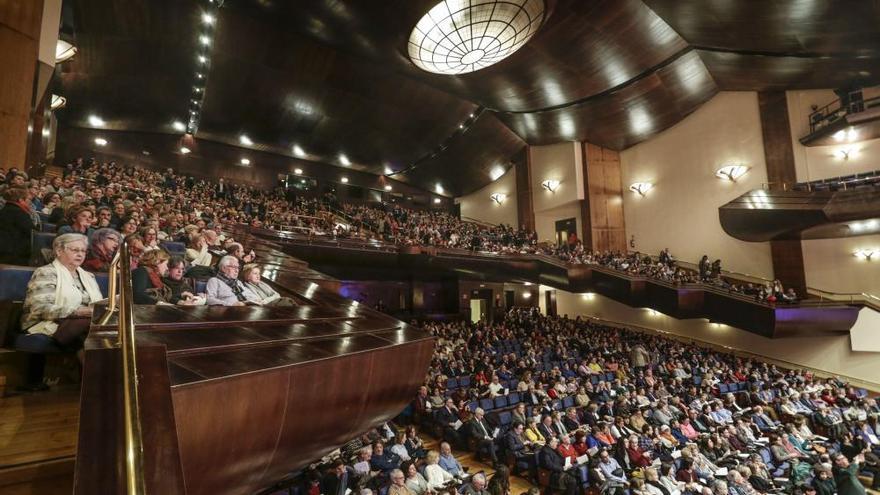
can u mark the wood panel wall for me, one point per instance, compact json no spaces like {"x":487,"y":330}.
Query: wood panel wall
{"x":525,"y":204}
{"x":787,"y":256}
{"x":19,"y":42}
{"x":602,"y":206}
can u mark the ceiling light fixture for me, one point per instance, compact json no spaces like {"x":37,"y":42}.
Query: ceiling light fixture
{"x":207,"y":19}
{"x":437,"y":201}
{"x":498,"y":197}
{"x":344,"y":180}
{"x":245,"y":161}
{"x":204,"y":40}
{"x":438,"y":188}
{"x":101,"y":141}
{"x":731,"y":172}
{"x":344,"y":160}
{"x":496,"y":172}
{"x":243,"y":139}
{"x":387,"y":187}
{"x":178,"y":126}
{"x":184,"y":150}
{"x":203,"y":59}
{"x":96,"y":121}
{"x":461,"y":36}
{"x":57,"y":102}
{"x":64,"y":51}
{"x":298,"y":171}
{"x":388,"y":170}
{"x":298,"y":151}
{"x":641,"y":188}
{"x":550,"y":185}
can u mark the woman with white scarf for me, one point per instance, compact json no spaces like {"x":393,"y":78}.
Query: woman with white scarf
{"x":59,"y":294}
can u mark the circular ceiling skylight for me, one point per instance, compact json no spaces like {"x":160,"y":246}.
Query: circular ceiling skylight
{"x":460,"y":36}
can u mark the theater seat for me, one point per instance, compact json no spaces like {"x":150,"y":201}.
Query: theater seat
{"x":175,"y":248}
{"x":201,"y":286}
{"x":48,"y":227}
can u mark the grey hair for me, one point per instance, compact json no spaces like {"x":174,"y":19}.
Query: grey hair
{"x":103,"y":234}
{"x":227,"y":260}
{"x":366,"y":491}
{"x":479,"y":410}
{"x":480,"y":477}
{"x":395,"y":473}
{"x":64,"y":239}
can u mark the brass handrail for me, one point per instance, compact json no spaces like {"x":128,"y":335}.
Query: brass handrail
{"x":863,"y":298}
{"x":134,"y":448}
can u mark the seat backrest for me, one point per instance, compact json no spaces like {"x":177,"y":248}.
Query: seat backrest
{"x":500,"y":401}
{"x":10,"y":321}
{"x":174,"y":247}
{"x":504,"y":418}
{"x":14,"y":280}
{"x":48,"y":227}
{"x":464,"y":381}
{"x":201,"y":286}
{"x":487,"y":404}
{"x":513,"y":398}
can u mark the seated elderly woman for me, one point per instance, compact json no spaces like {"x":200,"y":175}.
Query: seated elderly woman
{"x":103,"y":244}
{"x":197,"y":252}
{"x":225,"y":289}
{"x":59,"y":294}
{"x":263,"y":294}
{"x":146,"y":279}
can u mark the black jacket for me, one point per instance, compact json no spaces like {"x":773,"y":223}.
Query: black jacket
{"x":15,"y":227}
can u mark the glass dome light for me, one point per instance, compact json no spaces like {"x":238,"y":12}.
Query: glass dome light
{"x":461,"y":36}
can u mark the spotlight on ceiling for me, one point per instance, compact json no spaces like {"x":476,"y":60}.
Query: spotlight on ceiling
{"x":459,"y":36}
{"x":184,"y":150}
{"x":64,"y":51}
{"x":96,"y":121}
{"x":208,"y":19}
{"x":388,"y":170}
{"x":498,"y":197}
{"x":344,"y":160}
{"x":57,"y":102}
{"x":641,"y":188}
{"x":550,"y":185}
{"x":298,"y":171}
{"x":344,"y":180}
{"x":243,"y":139}
{"x":298,"y":151}
{"x":437,"y":201}
{"x":848,"y":135}
{"x":203,"y":39}
{"x":388,"y":187}
{"x":178,"y":126}
{"x":496,"y":172}
{"x":101,"y":141}
{"x":245,"y":161}
{"x":203,"y":59}
{"x":439,"y":188}
{"x":731,"y":172}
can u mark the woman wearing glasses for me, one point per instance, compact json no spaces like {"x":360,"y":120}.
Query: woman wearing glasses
{"x":59,"y":294}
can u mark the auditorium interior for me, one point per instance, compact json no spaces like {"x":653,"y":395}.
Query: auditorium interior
{"x":439,"y":247}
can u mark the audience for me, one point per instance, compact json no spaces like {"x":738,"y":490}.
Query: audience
{"x":226,"y":289}
{"x":17,"y":225}
{"x":259,"y":292}
{"x":146,"y":280}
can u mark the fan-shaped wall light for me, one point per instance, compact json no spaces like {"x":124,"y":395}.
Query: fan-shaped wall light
{"x":64,"y":51}
{"x":550,"y":185}
{"x":57,"y":102}
{"x":498,"y":197}
{"x":731,"y":172}
{"x":641,"y":188}
{"x":865,"y":253}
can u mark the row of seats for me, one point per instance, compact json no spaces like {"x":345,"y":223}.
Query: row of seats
{"x":43,"y":240}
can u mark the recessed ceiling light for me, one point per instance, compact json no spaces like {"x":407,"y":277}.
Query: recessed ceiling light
{"x":387,"y":187}
{"x":204,"y":40}
{"x":101,"y":141}
{"x":344,"y":160}
{"x":437,"y":201}
{"x":203,"y":59}
{"x":388,"y":170}
{"x":96,"y":121}
{"x":245,"y":161}
{"x":298,"y":151}
{"x":472,"y":116}
{"x":184,"y":150}
{"x":438,"y":188}
{"x":200,"y":75}
{"x":178,"y":125}
{"x":344,"y":180}
{"x":298,"y":171}
{"x":243,"y":139}
{"x":461,"y":126}
{"x":197,"y":89}
{"x":208,"y":19}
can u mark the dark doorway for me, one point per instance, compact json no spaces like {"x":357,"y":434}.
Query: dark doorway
{"x":564,"y":229}
{"x":550,"y":302}
{"x":509,"y":298}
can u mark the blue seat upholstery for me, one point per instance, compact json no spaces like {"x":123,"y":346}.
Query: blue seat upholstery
{"x":35,"y":343}
{"x":42,"y":240}
{"x":48,"y":227}
{"x":172,"y":247}
{"x":201,"y":286}
{"x":14,"y":280}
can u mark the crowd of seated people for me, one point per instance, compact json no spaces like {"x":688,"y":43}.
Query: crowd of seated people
{"x":573,"y":403}
{"x":100,"y":205}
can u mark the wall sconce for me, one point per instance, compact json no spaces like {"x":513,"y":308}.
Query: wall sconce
{"x":846,"y":153}
{"x":527,"y":295}
{"x":588,"y":296}
{"x":731,"y":172}
{"x":865,"y":254}
{"x":64,"y":51}
{"x":57,"y":102}
{"x":641,"y":187}
{"x":498,"y":197}
{"x":551,"y":185}
{"x":849,"y":135}
{"x":864,"y":226}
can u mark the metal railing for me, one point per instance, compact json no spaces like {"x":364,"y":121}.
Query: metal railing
{"x":865,"y":299}
{"x":134,"y":446}
{"x":835,"y":110}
